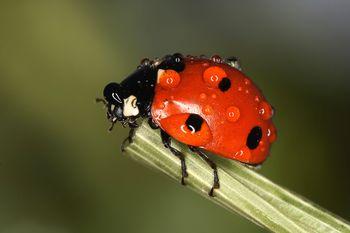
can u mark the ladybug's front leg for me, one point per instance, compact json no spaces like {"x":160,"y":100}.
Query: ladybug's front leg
{"x":166,"y":139}
{"x":132,"y":126}
{"x":216,"y":184}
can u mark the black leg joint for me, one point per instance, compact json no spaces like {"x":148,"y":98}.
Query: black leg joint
{"x":166,"y":139}
{"x":213,"y":166}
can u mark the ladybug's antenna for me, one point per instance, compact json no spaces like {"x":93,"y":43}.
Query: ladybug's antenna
{"x":104,"y":102}
{"x":100,"y":100}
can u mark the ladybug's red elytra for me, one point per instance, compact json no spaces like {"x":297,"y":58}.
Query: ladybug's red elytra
{"x":205,"y":103}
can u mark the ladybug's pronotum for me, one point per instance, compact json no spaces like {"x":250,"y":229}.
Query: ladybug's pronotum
{"x":207,"y":104}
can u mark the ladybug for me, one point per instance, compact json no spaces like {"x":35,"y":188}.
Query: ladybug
{"x":206,"y":103}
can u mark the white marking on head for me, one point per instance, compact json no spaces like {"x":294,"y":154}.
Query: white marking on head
{"x":130,"y":107}
{"x":159,"y":73}
{"x":112,"y":107}
{"x":116,"y":97}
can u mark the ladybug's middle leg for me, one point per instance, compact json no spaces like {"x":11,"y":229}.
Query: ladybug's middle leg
{"x":166,"y":139}
{"x":216,"y":184}
{"x":152,"y":124}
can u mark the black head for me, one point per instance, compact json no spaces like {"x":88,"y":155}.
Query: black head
{"x":121,"y":105}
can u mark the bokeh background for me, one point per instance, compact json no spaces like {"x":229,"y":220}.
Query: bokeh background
{"x":60,"y":171}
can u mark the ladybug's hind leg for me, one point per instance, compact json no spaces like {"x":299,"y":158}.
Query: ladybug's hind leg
{"x":166,"y":139}
{"x":129,"y":139}
{"x":216,"y":184}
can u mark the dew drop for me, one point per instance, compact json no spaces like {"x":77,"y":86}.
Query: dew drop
{"x":244,"y":151}
{"x":268,"y":132}
{"x":232,"y":113}
{"x":208,"y":110}
{"x":145,"y":62}
{"x":239,"y":153}
{"x":169,"y":79}
{"x":213,"y":75}
{"x":265,"y":110}
{"x":216,"y":58}
{"x":271,"y":133}
{"x":203,"y":96}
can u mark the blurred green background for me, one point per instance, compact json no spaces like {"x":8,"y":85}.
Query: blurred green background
{"x":60,"y":171}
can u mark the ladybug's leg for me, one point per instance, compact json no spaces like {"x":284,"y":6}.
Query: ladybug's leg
{"x":152,"y":124}
{"x":166,"y":139}
{"x":129,"y":140}
{"x":212,"y":165}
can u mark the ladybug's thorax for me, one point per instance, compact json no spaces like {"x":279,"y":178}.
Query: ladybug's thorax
{"x":140,"y":85}
{"x":133,"y":97}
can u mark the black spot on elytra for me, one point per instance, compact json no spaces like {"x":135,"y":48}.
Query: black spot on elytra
{"x":254,"y":137}
{"x":194,"y":122}
{"x":224,"y":84}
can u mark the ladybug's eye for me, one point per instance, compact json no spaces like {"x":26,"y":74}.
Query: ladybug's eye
{"x":254,"y":138}
{"x":112,"y":93}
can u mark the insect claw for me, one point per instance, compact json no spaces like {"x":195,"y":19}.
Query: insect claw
{"x":112,"y":126}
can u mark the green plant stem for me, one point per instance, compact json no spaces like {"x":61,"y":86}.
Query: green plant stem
{"x":242,"y":190}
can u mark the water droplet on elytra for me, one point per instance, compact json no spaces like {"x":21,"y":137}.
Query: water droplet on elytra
{"x":216,"y":58}
{"x":232,"y":113}
{"x":203,"y":96}
{"x":208,"y":110}
{"x":243,"y":152}
{"x":145,"y":62}
{"x":265,"y":110}
{"x":271,"y":133}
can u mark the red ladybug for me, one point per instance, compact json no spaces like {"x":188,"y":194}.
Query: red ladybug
{"x":204,"y":103}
